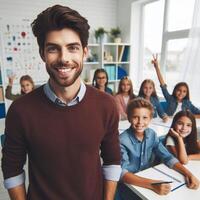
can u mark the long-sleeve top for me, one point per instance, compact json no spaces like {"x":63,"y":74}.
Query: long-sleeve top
{"x":172,"y":103}
{"x":9,"y":94}
{"x":62,"y":144}
{"x":158,"y":109}
{"x":121,"y":106}
{"x":138,"y":155}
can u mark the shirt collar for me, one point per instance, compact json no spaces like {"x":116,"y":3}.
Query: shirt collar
{"x":52,"y":96}
{"x":133,"y":138}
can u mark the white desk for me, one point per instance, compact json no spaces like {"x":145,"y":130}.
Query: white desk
{"x":182,"y":193}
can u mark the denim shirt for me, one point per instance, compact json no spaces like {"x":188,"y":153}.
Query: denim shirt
{"x":172,"y":103}
{"x":158,"y":109}
{"x":138,"y":155}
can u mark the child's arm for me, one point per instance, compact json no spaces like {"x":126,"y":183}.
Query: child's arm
{"x":161,"y":189}
{"x":161,"y":112}
{"x":195,"y":156}
{"x":158,"y":72}
{"x":179,"y":151}
{"x":194,"y":110}
{"x":191,"y":180}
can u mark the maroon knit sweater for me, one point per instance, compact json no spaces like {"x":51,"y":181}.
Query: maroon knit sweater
{"x":62,"y":144}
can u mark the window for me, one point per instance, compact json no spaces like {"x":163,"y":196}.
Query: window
{"x":163,"y":27}
{"x":153,"y":25}
{"x":180,"y":14}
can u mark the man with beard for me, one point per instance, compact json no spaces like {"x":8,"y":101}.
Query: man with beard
{"x":64,"y":124}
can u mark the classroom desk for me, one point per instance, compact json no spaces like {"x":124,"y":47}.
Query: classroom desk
{"x":182,"y":193}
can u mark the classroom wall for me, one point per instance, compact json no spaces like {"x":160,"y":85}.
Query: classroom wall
{"x":98,"y":12}
{"x":124,"y":18}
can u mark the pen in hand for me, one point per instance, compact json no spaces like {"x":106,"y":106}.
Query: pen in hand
{"x":161,"y":182}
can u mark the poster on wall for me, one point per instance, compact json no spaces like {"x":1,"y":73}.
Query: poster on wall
{"x":19,"y":51}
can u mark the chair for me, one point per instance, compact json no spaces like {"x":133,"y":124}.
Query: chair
{"x":3,"y":136}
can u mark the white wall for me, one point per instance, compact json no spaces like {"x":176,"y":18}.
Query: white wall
{"x":98,"y":12}
{"x":124,"y":18}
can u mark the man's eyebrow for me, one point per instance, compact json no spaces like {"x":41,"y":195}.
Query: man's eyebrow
{"x":74,"y":43}
{"x":51,"y":44}
{"x":70,"y":44}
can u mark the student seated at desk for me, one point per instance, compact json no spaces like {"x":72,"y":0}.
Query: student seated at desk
{"x":148,"y":92}
{"x":181,"y":139}
{"x":100,"y":81}
{"x":180,"y":97}
{"x":26,"y":83}
{"x":123,"y":96}
{"x":139,"y":143}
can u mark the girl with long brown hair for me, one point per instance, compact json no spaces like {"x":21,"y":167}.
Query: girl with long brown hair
{"x":182,"y":138}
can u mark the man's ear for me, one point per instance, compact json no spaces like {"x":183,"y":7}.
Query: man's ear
{"x":42,"y":54}
{"x":85,"y":53}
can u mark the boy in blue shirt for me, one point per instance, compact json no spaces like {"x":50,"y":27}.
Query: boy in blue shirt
{"x":139,"y":143}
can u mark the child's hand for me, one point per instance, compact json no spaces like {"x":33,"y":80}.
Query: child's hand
{"x":11,"y":79}
{"x":162,"y":189}
{"x":192,"y":182}
{"x":154,"y":61}
{"x":165,"y":118}
{"x":173,"y":133}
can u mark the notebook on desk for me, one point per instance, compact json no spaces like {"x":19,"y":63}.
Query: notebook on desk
{"x":165,"y":174}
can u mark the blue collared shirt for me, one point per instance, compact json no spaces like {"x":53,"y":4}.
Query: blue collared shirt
{"x":138,"y":155}
{"x":110,"y":172}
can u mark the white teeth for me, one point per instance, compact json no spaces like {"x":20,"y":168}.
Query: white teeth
{"x":64,"y":70}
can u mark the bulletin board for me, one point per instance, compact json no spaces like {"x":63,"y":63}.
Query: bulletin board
{"x":19,"y":51}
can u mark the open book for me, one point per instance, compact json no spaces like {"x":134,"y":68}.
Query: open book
{"x":164,"y":174}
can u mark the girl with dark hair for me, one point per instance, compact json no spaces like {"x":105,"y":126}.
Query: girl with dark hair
{"x":100,"y":81}
{"x":26,"y":83}
{"x":182,"y":138}
{"x":180,"y":98}
{"x":124,"y":95}
{"x":148,"y":92}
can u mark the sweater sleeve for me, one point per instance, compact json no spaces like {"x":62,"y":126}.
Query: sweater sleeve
{"x":194,"y":109}
{"x":165,"y":92}
{"x":14,"y":150}
{"x":159,"y":109}
{"x":110,"y":150}
{"x":9,"y":94}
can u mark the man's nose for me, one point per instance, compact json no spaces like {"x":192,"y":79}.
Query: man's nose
{"x":65,"y":56}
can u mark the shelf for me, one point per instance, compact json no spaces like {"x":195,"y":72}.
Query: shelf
{"x":91,"y":63}
{"x":113,"y":57}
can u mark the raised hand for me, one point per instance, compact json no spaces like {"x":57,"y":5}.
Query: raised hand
{"x":154,"y":60}
{"x":11,"y":79}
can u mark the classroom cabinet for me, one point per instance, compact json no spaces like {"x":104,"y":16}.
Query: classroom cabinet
{"x":113,"y":57}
